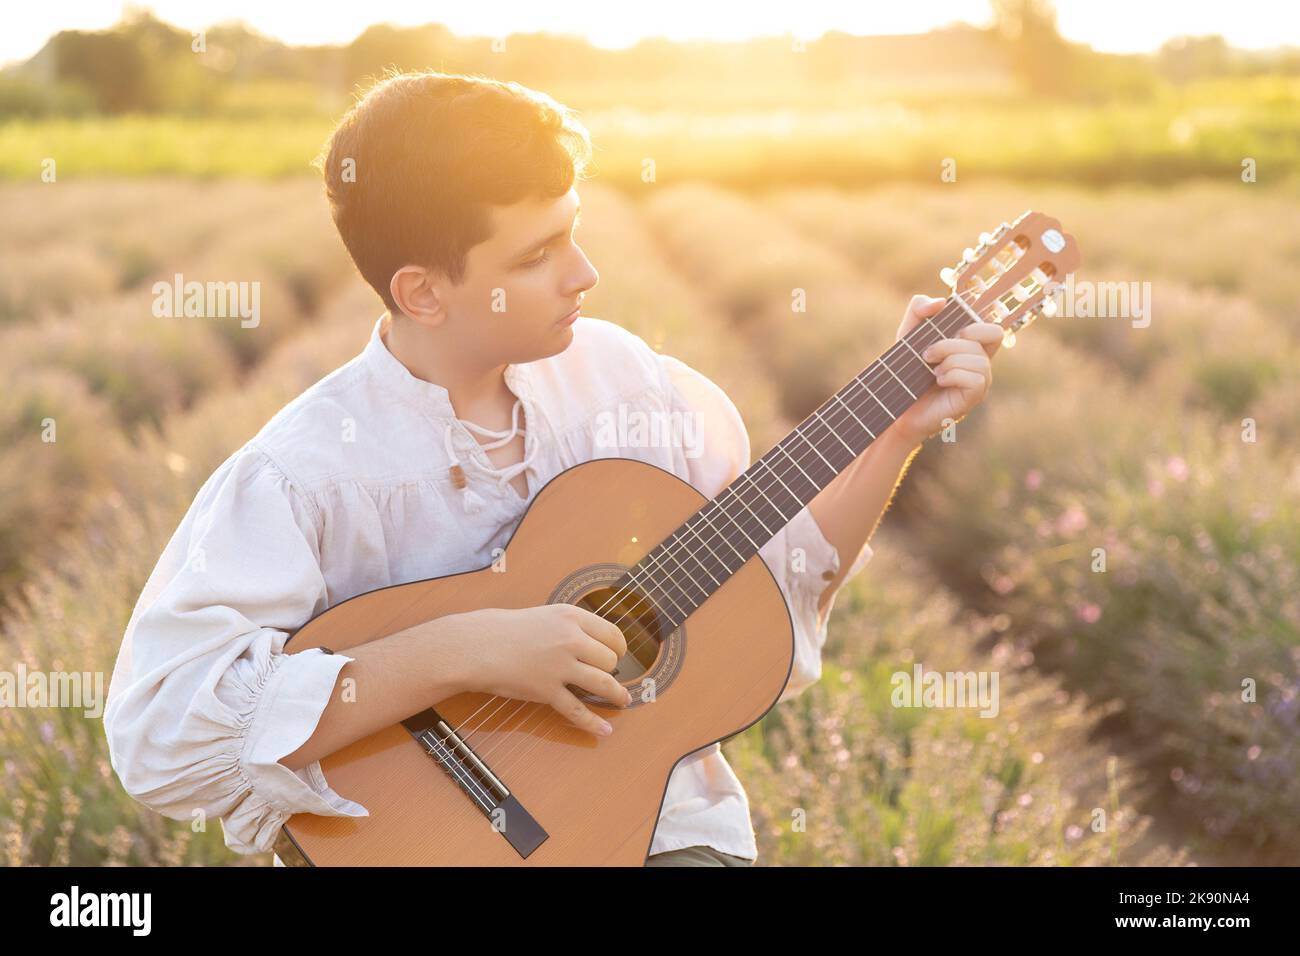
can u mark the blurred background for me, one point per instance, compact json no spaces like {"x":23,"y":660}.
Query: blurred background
{"x":1149,"y":712}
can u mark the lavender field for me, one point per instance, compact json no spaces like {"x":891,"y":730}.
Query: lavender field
{"x":1116,"y":532}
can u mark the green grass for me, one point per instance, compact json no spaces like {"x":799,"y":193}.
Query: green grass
{"x":1203,"y":130}
{"x":153,"y":145}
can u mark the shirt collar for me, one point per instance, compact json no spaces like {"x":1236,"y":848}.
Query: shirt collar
{"x":429,"y":396}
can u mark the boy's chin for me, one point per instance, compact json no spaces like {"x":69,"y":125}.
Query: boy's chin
{"x":560,"y":339}
{"x":546,"y":343}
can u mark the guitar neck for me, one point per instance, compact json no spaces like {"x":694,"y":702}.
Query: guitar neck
{"x":680,"y":573}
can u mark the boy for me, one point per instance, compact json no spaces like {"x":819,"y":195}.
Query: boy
{"x":455,"y":198}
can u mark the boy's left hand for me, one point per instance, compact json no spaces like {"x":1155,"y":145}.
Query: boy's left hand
{"x":963,"y":366}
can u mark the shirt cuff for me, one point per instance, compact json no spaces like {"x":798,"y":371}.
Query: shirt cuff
{"x":814,"y":561}
{"x":288,"y":710}
{"x":804,"y":562}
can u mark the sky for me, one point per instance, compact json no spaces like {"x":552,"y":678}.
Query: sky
{"x":1119,"y":26}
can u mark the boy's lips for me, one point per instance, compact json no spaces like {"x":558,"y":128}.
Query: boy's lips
{"x":571,"y":317}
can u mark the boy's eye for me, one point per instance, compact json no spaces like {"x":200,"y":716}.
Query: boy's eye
{"x":539,"y":260}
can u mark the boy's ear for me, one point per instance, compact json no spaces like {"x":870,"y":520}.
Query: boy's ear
{"x":416,"y":295}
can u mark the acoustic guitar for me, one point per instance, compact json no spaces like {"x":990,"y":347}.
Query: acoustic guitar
{"x":479,"y":780}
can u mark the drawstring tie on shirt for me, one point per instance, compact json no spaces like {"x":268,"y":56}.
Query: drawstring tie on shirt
{"x":471,"y":501}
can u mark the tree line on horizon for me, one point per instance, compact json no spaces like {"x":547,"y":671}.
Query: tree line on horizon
{"x":145,"y":65}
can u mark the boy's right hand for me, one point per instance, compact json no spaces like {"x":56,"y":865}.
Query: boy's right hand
{"x":533,"y":653}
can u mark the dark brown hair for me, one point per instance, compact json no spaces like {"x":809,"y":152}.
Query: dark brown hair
{"x":429,"y":153}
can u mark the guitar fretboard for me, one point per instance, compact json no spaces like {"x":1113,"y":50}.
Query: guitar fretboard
{"x":680,"y":573}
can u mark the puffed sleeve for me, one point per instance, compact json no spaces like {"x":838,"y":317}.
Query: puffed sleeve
{"x":800,"y":558}
{"x":204,"y":702}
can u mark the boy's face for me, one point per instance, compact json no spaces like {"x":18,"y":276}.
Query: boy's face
{"x":521,"y":285}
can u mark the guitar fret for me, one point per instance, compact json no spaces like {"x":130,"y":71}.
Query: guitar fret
{"x":796,"y":464}
{"x":648,"y":589}
{"x":702,"y":515}
{"x":704,"y":512}
{"x":772,"y":471}
{"x":888,"y":410}
{"x":855,"y":417}
{"x":912,"y":350}
{"x":759,"y":488}
{"x":898,"y":380}
{"x":700,"y":561}
{"x":667,"y":550}
{"x":760,"y":521}
{"x":676,"y":606}
{"x":847,"y":446}
{"x":816,"y":450}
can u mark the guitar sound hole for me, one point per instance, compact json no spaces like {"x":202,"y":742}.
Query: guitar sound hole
{"x":636,"y":618}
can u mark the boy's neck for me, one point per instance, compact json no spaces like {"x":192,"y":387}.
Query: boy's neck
{"x":477,"y":393}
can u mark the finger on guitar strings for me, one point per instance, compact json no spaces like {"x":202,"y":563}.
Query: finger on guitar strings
{"x":986,"y":334}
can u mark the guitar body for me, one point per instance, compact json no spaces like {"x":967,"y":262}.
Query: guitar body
{"x":592,"y":800}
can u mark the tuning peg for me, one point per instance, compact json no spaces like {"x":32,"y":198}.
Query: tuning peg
{"x":1048,"y":308}
{"x":1009,"y":339}
{"x":969,"y":254}
{"x":1026,"y":318}
{"x":948,"y":276}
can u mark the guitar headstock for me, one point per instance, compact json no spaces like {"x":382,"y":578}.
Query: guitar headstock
{"x":1008,"y":279}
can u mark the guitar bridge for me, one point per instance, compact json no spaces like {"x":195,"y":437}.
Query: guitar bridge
{"x":477,"y":781}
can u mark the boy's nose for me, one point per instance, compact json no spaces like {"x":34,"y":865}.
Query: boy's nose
{"x":587,"y":277}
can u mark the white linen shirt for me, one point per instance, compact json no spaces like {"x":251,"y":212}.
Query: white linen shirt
{"x":347,"y":489}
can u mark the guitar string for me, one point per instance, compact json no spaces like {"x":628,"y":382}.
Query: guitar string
{"x":456,"y":770}
{"x":954,"y":309}
{"x":545,"y":708}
